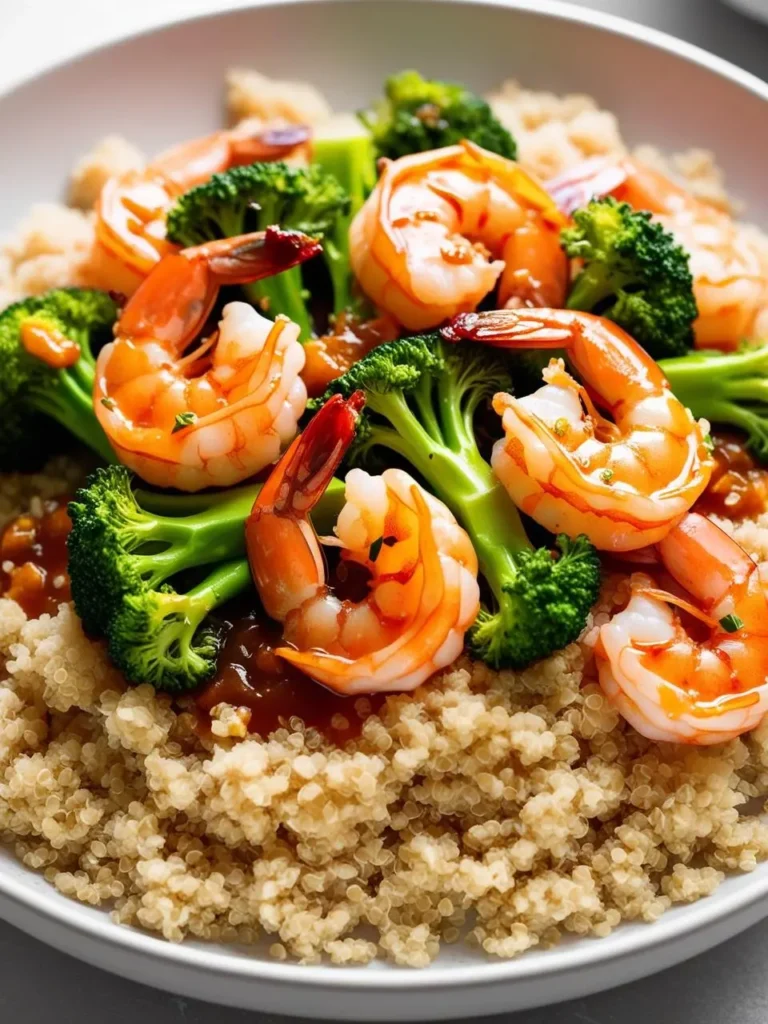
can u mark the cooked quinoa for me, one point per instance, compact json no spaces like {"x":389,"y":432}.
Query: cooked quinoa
{"x":504,"y":808}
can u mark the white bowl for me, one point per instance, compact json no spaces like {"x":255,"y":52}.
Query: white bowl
{"x":757,"y":8}
{"x":165,"y":85}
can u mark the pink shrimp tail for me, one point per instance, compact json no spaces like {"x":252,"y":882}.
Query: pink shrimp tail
{"x":278,"y":532}
{"x":173,"y":302}
{"x":300,"y":478}
{"x":248,"y":258}
{"x":508,"y":328}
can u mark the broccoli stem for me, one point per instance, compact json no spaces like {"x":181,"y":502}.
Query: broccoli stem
{"x":222,"y":585}
{"x":71,"y":405}
{"x":457,"y":411}
{"x":458,"y":475}
{"x":497,"y":533}
{"x":214,"y":531}
{"x":162,"y":503}
{"x":752,"y":390}
{"x":284,"y":294}
{"x":693,"y":375}
{"x":729,"y":389}
{"x":198,"y":539}
{"x":351,"y":160}
{"x":338,"y":269}
{"x":591,"y":287}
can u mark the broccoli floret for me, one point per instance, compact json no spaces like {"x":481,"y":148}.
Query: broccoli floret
{"x":252,"y":198}
{"x":130,"y":554}
{"x":166,"y":638}
{"x":552,"y":591}
{"x":726,"y":388}
{"x":421,"y":403}
{"x":117,"y":547}
{"x":635,"y":273}
{"x":32,"y":393}
{"x":419,"y":114}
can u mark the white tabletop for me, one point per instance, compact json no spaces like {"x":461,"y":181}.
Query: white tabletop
{"x":40,"y":986}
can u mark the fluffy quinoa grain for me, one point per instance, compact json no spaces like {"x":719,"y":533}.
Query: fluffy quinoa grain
{"x":508,"y":809}
{"x":251,"y":94}
{"x":474,"y":806}
{"x":555,"y":132}
{"x":49,"y":249}
{"x":111,"y":156}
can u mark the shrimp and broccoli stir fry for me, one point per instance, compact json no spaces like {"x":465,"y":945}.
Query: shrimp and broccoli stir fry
{"x":384,"y":526}
{"x":522,"y":390}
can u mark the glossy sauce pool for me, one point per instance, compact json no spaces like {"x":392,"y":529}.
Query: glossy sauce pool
{"x":33,"y":559}
{"x":251,"y":676}
{"x":739,"y":486}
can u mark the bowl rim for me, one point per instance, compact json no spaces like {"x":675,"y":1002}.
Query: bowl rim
{"x":221,"y":960}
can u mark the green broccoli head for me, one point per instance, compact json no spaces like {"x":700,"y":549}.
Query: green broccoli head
{"x":125,"y":566}
{"x":395,"y":369}
{"x":730,"y":389}
{"x":107,"y":526}
{"x":395,"y":366}
{"x":32,"y":392}
{"x":132,"y":557}
{"x":419,"y":114}
{"x":635,"y":273}
{"x":253,"y":197}
{"x":543,"y":607}
{"x":166,"y":638}
{"x":118,"y":548}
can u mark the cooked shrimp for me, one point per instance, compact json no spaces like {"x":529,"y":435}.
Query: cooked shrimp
{"x":441,"y":228}
{"x":624,"y":482}
{"x":423,"y":591}
{"x":669,"y":685}
{"x":130,"y":214}
{"x":215,"y":415}
{"x":730,"y":277}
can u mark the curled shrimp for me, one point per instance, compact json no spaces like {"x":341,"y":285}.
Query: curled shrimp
{"x":624,"y":482}
{"x":730,"y":277}
{"x":130,"y":213}
{"x":423,"y":590}
{"x":665,"y":682}
{"x":441,"y":228}
{"x":216,"y":415}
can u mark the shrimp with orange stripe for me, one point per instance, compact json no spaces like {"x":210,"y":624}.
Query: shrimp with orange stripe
{"x":211,"y":414}
{"x":624,"y":481}
{"x":130,"y":213}
{"x":423,"y":590}
{"x":669,"y":684}
{"x":443,"y":228}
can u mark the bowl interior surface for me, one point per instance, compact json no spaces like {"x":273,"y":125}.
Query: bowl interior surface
{"x":159,"y":88}
{"x":167,"y":85}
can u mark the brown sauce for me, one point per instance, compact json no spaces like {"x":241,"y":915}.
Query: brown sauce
{"x":251,"y":676}
{"x":739,"y":486}
{"x":33,"y":559}
{"x":332,"y":355}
